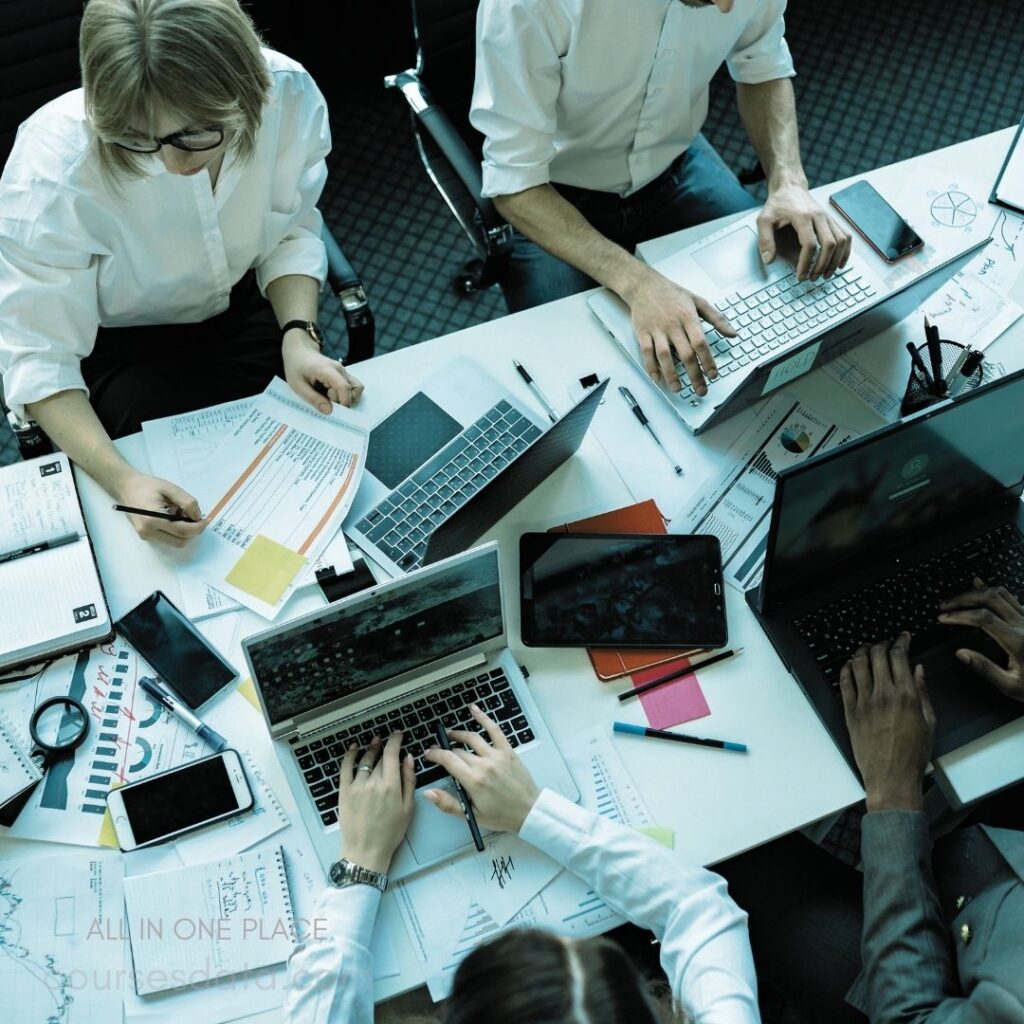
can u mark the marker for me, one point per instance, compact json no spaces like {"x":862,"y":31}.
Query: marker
{"x":532,"y":385}
{"x":915,"y":358}
{"x":645,"y":423}
{"x":171,"y":517}
{"x":677,"y":673}
{"x":678,"y":737}
{"x":164,"y":697}
{"x":935,"y":353}
{"x":33,"y":549}
{"x":460,"y":793}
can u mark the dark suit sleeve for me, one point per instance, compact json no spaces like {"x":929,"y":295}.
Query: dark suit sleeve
{"x":910,"y":966}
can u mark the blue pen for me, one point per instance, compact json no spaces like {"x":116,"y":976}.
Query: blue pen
{"x":164,"y":696}
{"x":662,"y":734}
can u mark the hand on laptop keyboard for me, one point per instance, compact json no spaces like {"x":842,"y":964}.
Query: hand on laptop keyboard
{"x":667,"y":324}
{"x":375,"y":800}
{"x":499,"y":785}
{"x":824,"y":243}
{"x":998,"y":613}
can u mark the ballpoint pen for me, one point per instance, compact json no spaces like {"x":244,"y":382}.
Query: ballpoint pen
{"x":164,"y":697}
{"x":935,"y":353}
{"x":915,"y":358}
{"x":677,"y":673}
{"x":678,"y":737}
{"x":460,"y":793}
{"x":171,"y":517}
{"x":33,"y":549}
{"x":532,"y":385}
{"x":645,"y":423}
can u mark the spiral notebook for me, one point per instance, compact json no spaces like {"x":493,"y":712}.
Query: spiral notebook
{"x":18,"y":772}
{"x":195,"y":924}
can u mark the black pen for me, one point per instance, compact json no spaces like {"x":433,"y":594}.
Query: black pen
{"x":646,"y":424}
{"x":532,"y":385}
{"x":677,"y":737}
{"x":935,"y":353}
{"x":677,"y":673}
{"x":33,"y":549}
{"x":171,"y":517}
{"x":460,"y":793}
{"x":915,"y":358}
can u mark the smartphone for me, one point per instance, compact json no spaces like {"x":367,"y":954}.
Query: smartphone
{"x":168,"y":804}
{"x":621,"y":590}
{"x":176,"y":650}
{"x":876,"y":221}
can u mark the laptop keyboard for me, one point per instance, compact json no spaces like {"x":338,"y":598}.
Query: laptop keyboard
{"x":319,"y":758}
{"x":910,"y":599}
{"x":771,"y":317}
{"x":402,"y":523}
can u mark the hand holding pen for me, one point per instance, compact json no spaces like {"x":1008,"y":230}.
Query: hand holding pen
{"x":160,"y":510}
{"x":634,"y":406}
{"x":499,"y":786}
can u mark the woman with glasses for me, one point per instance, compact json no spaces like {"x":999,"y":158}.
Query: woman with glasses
{"x":160,"y":245}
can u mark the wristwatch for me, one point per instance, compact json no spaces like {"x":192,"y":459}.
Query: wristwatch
{"x":311,"y":327}
{"x":344,"y":873}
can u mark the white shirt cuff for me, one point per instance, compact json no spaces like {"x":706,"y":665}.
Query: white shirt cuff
{"x":348,"y":913}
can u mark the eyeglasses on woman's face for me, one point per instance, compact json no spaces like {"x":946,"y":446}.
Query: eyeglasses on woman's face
{"x":191,"y":140}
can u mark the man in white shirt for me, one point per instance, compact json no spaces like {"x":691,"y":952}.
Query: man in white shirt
{"x":592,"y":111}
{"x":160,"y":245}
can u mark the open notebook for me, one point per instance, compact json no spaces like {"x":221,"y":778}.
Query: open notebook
{"x":51,"y":599}
{"x":192,"y":925}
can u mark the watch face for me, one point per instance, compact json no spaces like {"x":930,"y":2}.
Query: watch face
{"x":339,"y":872}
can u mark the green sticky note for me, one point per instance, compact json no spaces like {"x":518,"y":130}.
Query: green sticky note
{"x":266,"y":569}
{"x":660,"y":834}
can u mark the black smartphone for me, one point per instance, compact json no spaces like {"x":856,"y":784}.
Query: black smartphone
{"x":876,"y":221}
{"x":175,"y":649}
{"x":171,"y":803}
{"x":621,"y":590}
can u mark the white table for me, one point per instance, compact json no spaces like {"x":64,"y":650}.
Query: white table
{"x":717,"y":805}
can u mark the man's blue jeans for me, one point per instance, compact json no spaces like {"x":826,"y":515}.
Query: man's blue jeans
{"x":698,"y":187}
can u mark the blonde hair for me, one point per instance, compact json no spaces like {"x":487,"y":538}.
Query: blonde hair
{"x":199,"y":59}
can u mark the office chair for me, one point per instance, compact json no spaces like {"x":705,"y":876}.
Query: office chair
{"x":449,"y":146}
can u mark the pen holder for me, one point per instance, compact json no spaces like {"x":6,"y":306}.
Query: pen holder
{"x":917,"y":396}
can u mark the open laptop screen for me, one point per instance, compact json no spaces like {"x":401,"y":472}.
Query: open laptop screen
{"x":867,"y":499}
{"x":425,"y":617}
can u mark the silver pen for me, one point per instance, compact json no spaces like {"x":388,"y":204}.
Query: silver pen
{"x":645,"y":423}
{"x":532,"y":385}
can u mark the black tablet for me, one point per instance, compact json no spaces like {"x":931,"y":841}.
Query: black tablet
{"x":621,"y":590}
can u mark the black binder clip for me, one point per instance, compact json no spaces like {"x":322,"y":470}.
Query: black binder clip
{"x":336,"y":587}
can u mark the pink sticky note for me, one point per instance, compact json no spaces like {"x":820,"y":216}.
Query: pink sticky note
{"x":681,"y":700}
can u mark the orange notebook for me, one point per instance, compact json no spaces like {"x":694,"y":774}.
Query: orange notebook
{"x":643,"y":517}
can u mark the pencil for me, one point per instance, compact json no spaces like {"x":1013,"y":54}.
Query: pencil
{"x":676,"y":673}
{"x":171,"y":517}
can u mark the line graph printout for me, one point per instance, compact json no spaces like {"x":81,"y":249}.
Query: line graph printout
{"x":130,"y":737}
{"x":736,"y":503}
{"x":61,"y":945}
{"x":180,"y":449}
{"x":275,"y":492}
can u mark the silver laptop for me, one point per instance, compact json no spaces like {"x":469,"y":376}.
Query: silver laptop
{"x":450,"y":461}
{"x":785,"y":327}
{"x":403,"y":655}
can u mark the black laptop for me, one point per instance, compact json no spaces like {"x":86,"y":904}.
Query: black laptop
{"x":870,"y":538}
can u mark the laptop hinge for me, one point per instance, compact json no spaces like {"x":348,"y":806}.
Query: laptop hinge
{"x":317,"y":721}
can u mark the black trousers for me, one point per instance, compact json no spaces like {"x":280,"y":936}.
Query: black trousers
{"x":806,"y":910}
{"x":142,"y":373}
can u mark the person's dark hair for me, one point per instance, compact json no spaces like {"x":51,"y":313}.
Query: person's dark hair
{"x":528,"y":976}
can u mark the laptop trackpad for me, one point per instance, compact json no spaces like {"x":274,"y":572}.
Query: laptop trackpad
{"x":966,"y":705}
{"x":432,"y":834}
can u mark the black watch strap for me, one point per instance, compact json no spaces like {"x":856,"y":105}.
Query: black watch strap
{"x":311,"y":327}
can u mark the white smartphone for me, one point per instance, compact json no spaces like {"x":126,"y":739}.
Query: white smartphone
{"x":168,"y":804}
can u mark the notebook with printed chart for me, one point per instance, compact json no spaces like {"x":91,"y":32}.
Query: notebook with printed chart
{"x":51,"y":598}
{"x":194,"y":924}
{"x":784,"y":327}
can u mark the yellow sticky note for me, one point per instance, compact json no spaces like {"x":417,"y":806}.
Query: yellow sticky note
{"x":660,"y":834}
{"x":266,"y":569}
{"x":107,"y":836}
{"x":248,"y":691}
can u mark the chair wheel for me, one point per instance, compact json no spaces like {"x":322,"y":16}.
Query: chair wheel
{"x":467,"y":280}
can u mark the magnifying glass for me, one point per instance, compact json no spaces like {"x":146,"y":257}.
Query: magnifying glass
{"x":57,"y":727}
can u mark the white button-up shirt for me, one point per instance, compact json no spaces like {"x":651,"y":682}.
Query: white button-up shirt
{"x":705,"y":948}
{"x":606,"y":94}
{"x":76,"y":253}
